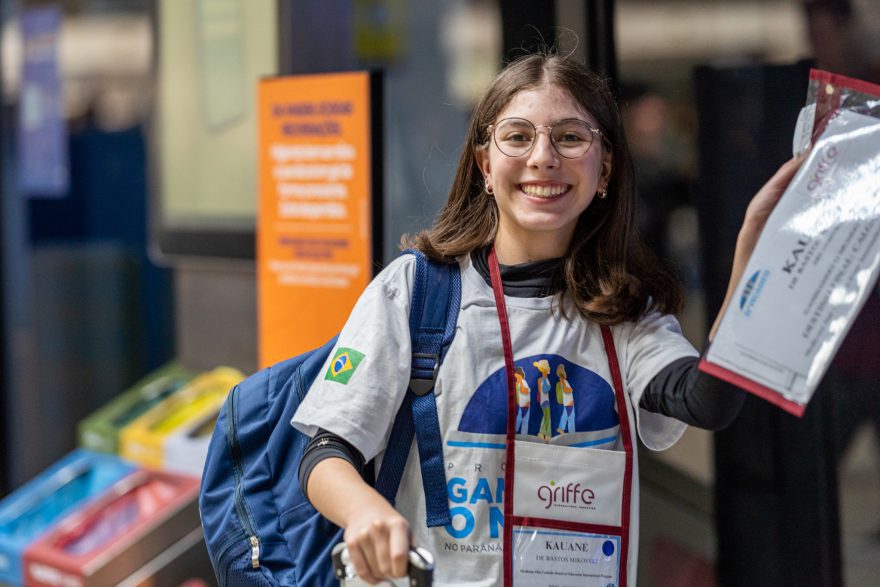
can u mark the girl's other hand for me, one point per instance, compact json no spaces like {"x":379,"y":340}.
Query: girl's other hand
{"x":377,"y":536}
{"x":378,"y":540}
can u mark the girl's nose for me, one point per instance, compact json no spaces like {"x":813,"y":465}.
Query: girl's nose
{"x":543,"y":153}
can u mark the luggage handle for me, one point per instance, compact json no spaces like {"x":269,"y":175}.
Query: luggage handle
{"x":420,"y":570}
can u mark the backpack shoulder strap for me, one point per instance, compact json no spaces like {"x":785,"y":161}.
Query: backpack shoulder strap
{"x":436,"y":299}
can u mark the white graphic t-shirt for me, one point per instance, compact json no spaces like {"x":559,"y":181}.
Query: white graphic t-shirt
{"x":358,"y":400}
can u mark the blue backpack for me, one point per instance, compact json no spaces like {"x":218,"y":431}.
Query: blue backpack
{"x":259,"y":528}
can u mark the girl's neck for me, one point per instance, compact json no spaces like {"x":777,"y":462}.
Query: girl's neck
{"x":526,"y":280}
{"x":515,"y":251}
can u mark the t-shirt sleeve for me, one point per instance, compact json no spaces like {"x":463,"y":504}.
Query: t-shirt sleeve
{"x":654,"y":342}
{"x":363,"y":382}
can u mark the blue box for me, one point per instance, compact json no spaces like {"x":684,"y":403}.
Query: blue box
{"x":33,"y":509}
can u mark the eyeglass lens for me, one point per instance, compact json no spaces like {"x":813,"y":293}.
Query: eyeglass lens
{"x":570,"y":137}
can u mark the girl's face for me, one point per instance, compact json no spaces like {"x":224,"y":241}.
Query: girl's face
{"x":541,"y":194}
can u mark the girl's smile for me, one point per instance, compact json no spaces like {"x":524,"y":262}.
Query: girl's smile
{"x":544,"y":191}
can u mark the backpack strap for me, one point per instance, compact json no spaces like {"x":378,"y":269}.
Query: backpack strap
{"x":434,"y":308}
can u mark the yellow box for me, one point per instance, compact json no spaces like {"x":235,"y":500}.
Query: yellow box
{"x":187,"y":447}
{"x":143,"y":440}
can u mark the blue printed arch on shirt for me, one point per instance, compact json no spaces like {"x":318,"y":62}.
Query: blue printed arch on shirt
{"x":486,"y":412}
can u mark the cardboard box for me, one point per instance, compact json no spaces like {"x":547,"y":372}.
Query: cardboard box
{"x":117,"y":534}
{"x":40,"y":504}
{"x":143,"y":440}
{"x":187,"y":448}
{"x":100,"y":431}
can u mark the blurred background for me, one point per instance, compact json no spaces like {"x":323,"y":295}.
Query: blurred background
{"x":129,"y":194}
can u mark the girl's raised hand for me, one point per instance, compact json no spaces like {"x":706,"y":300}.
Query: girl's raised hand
{"x":757,"y":213}
{"x":763,"y":203}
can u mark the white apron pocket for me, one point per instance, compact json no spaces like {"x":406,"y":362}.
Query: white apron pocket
{"x":577,"y":485}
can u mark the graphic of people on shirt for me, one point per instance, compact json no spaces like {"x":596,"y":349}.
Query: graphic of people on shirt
{"x":524,"y":401}
{"x":543,"y":366}
{"x":565,"y":398}
{"x":585,"y":396}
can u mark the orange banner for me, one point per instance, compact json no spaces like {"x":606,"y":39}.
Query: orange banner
{"x":314,"y":229}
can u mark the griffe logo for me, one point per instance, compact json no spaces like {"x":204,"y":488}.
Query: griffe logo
{"x":570,"y":495}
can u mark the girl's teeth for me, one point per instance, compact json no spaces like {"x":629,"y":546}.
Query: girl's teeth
{"x":543,"y":191}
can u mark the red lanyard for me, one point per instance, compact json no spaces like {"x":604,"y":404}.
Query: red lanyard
{"x":509,"y":464}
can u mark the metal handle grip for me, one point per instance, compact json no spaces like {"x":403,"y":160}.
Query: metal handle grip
{"x":420,"y":569}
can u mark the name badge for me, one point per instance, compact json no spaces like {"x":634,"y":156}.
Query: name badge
{"x":566,"y":559}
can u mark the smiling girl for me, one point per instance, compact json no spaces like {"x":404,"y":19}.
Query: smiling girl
{"x":541,"y":221}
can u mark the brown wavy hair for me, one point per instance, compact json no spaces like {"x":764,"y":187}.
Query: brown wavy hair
{"x":609,"y":274}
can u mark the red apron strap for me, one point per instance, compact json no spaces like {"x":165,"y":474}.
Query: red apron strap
{"x":507,"y":540}
{"x":625,"y":434}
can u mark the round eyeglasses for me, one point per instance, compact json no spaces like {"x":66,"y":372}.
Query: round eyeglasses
{"x":571,"y":137}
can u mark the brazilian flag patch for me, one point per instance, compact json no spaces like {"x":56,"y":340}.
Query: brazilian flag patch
{"x":343,"y":365}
